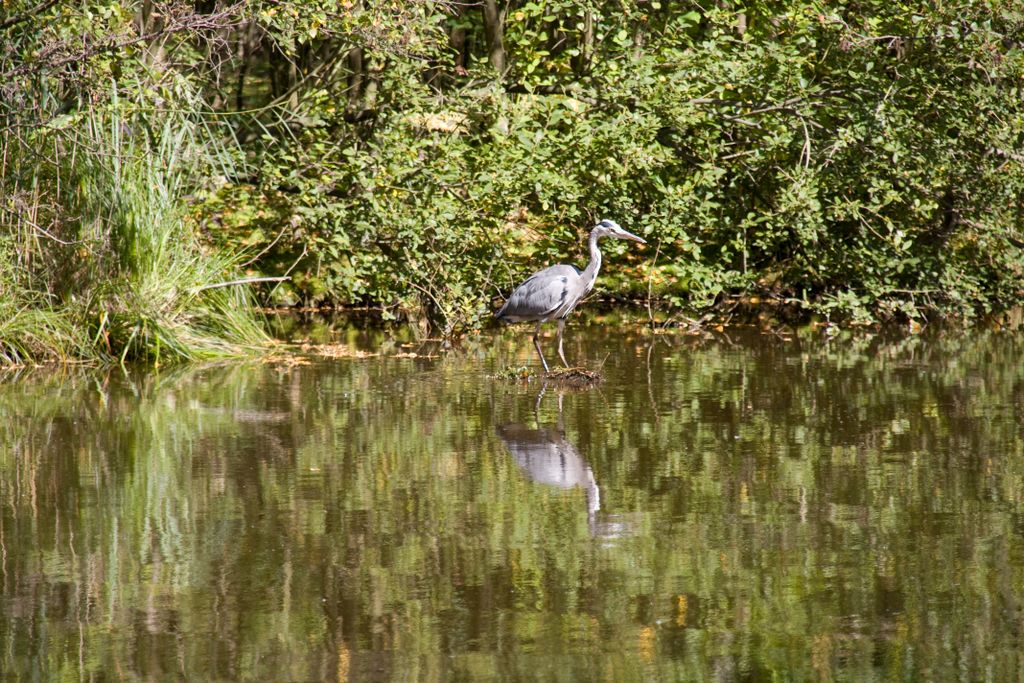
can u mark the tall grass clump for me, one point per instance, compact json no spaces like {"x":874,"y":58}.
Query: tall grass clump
{"x":160,"y":291}
{"x":100,"y":257}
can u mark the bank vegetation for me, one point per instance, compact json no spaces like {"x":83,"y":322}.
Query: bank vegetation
{"x":168,"y":166}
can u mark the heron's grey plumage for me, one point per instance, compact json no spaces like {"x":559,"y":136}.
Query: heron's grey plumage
{"x":549,"y":458}
{"x":552,"y":293}
{"x":547,"y":294}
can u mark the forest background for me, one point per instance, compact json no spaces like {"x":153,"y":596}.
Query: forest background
{"x":166,"y":167}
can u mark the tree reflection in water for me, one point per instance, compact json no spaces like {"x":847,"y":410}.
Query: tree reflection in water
{"x":844,"y":508}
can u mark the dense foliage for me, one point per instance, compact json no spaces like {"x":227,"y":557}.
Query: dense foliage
{"x":858,"y":159}
{"x":861,"y":157}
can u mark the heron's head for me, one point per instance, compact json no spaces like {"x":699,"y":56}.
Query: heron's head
{"x":609,"y":228}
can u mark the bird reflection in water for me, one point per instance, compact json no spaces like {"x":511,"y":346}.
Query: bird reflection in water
{"x":547,"y":457}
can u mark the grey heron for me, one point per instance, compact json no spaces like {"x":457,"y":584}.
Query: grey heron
{"x":552,"y":293}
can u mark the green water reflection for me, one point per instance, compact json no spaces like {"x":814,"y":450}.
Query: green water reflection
{"x":739,"y":507}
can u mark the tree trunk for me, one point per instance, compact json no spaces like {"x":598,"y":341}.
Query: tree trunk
{"x":581,"y":65}
{"x":243,"y":55}
{"x":494,"y":30}
{"x":151,"y":21}
{"x":460,"y":46}
{"x":355,"y":79}
{"x":293,"y":79}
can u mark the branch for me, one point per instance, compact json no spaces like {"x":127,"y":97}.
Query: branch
{"x":191,"y":21}
{"x":27,"y":14}
{"x":1007,"y":154}
{"x":243,"y":281}
{"x":571,"y":90}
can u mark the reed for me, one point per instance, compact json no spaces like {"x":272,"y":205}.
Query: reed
{"x":99,"y":258}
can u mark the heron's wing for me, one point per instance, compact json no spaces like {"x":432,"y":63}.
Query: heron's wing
{"x":543,"y":295}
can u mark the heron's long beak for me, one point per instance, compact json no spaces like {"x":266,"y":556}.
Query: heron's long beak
{"x":631,"y":236}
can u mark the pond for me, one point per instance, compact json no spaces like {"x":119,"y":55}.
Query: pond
{"x":725,"y":506}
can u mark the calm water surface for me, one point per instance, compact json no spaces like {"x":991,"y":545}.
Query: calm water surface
{"x":739,"y":507}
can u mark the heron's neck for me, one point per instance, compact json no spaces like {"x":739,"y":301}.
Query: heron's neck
{"x":593,"y":493}
{"x":590,"y":273}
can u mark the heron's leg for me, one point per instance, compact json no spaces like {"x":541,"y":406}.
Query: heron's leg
{"x":561,"y":329}
{"x":536,"y":343}
{"x":536,"y":405}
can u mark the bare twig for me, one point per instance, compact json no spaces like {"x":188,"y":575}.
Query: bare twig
{"x":287,"y":273}
{"x":270,"y":246}
{"x":650,"y":286}
{"x":243,"y":281}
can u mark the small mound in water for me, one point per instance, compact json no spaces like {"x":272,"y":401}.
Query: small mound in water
{"x":573,"y":376}
{"x":515,"y":373}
